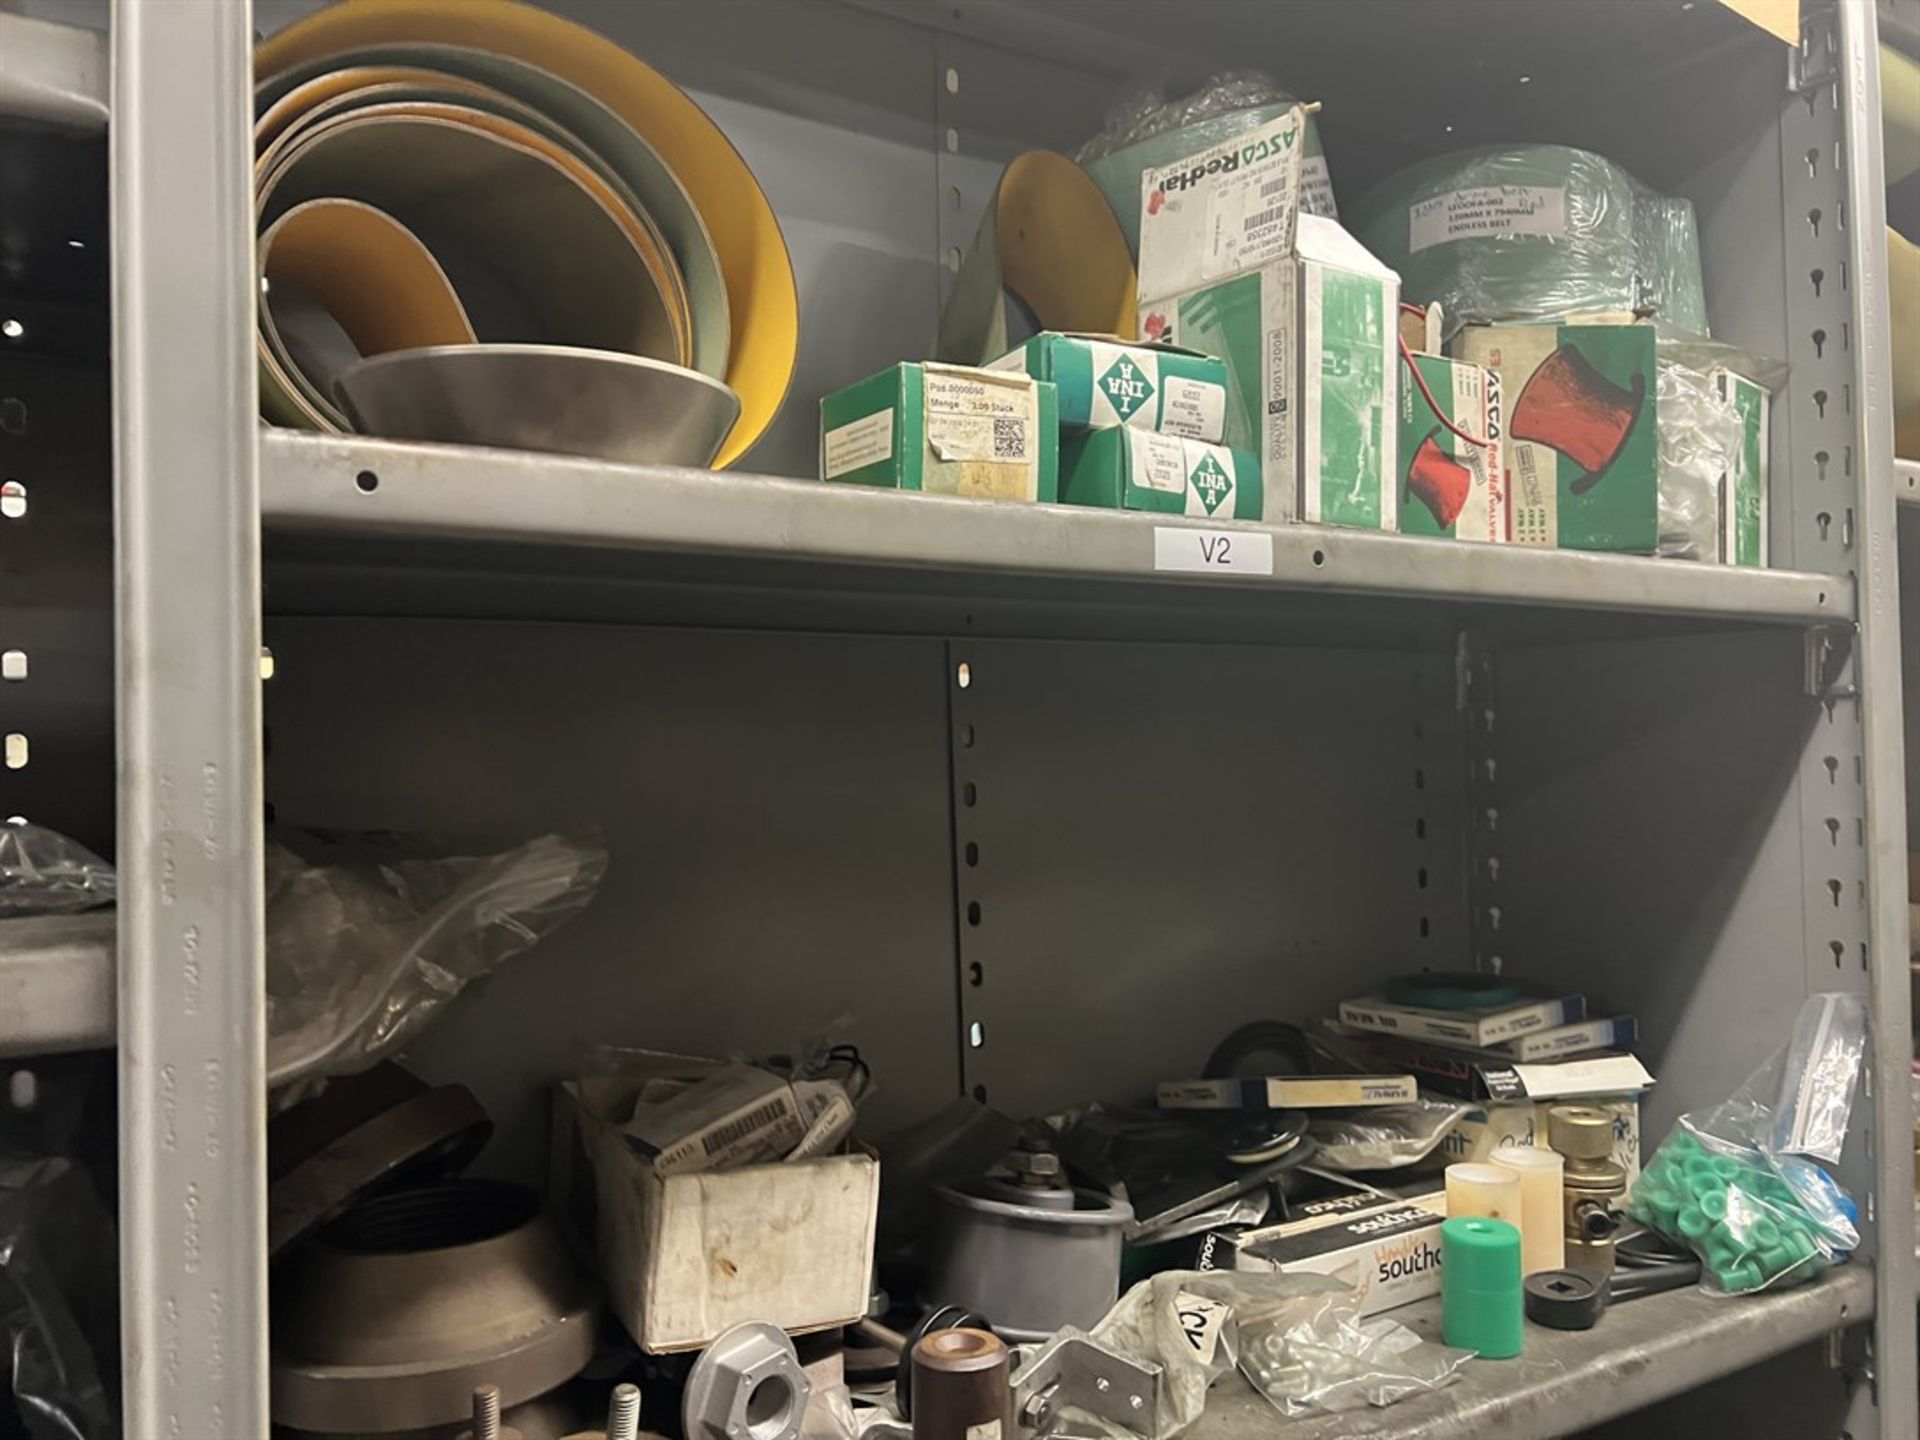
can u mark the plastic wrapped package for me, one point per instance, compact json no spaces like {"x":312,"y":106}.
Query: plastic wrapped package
{"x":1738,"y":1184}
{"x":369,"y":936}
{"x":1298,"y":1339}
{"x":1533,"y":233}
{"x":1148,"y":128}
{"x":1667,"y":244}
{"x":42,"y":872}
{"x":1384,"y":1138}
{"x":1700,"y":435}
{"x":1315,"y":1354}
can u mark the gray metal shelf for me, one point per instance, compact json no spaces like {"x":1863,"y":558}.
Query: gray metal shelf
{"x":55,"y":74}
{"x":1567,"y":1380}
{"x":1906,"y":481}
{"x":442,"y":529}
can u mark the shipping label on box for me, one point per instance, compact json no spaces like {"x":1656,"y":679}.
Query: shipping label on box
{"x":1582,"y":448}
{"x":1481,"y":1131}
{"x":1743,"y":502}
{"x":1448,"y":486}
{"x":1312,"y":375}
{"x":944,"y":430}
{"x":1221,"y":211}
{"x":1103,"y":382}
{"x":1392,"y":1256}
{"x":1160,"y":474}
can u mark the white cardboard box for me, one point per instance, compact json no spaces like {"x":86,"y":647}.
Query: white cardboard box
{"x":685,"y":1257}
{"x":1223,"y":210}
{"x":1313,"y":374}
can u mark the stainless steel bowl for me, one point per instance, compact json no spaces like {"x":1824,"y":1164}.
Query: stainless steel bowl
{"x":542,"y":397}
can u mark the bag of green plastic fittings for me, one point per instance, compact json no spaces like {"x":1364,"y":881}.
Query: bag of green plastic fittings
{"x":1742,"y":1186}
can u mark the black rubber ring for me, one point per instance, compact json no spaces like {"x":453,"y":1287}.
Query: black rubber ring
{"x":1566,"y":1299}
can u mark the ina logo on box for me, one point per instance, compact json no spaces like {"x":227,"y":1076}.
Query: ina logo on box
{"x":1127,"y":387}
{"x":1211,"y":483}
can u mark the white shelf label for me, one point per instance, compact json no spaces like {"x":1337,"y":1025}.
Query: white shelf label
{"x":1213,"y":552}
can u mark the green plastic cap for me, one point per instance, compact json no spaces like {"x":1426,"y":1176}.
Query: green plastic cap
{"x":1482,"y":1305}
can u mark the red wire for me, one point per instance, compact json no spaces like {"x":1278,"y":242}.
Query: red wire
{"x":1420,"y":381}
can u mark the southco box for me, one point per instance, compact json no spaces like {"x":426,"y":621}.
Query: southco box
{"x":1312,"y":374}
{"x":946,"y":430}
{"x":1447,"y":485}
{"x":1581,"y":438}
{"x":1105,"y":382}
{"x":1164,"y":474}
{"x":1391,"y":1256}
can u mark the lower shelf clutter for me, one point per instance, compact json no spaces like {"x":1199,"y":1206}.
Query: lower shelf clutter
{"x":1299,"y":1235}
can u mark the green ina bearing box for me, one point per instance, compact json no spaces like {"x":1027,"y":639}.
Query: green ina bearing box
{"x":1310,"y":345}
{"x":1449,"y":486}
{"x":1582,"y":431}
{"x":1165,"y":474}
{"x":1106,"y":382}
{"x":1743,"y":498}
{"x":945,"y":430}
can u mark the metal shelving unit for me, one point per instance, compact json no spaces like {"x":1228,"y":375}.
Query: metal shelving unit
{"x":1679,"y":780}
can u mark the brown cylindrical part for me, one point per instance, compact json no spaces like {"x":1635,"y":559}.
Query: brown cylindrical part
{"x":961,"y":1388}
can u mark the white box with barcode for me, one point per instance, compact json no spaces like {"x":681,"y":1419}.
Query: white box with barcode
{"x":1222,"y":211}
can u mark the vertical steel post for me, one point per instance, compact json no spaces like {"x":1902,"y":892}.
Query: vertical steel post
{"x":187,"y":537}
{"x":1882,"y":719}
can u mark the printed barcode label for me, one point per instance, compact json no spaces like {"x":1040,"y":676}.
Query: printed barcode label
{"x":736,"y":1130}
{"x":1272,"y":188}
{"x":1263,"y":218}
{"x":1009,"y":437}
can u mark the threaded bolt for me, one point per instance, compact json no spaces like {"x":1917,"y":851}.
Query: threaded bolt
{"x":486,"y":1413}
{"x":623,"y":1415}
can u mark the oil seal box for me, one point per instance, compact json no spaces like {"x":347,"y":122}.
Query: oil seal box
{"x":1448,"y":486}
{"x":1313,"y":378}
{"x":1582,"y":439}
{"x":1105,"y":382}
{"x":1163,"y":474}
{"x":945,"y":430}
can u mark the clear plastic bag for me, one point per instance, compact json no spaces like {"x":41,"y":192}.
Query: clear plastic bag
{"x":42,"y":872}
{"x":1149,"y":127}
{"x":1700,"y":437}
{"x":369,"y":936}
{"x":1298,"y":1339}
{"x":1315,"y":1354}
{"x":1535,"y":232}
{"x":1385,"y":1138}
{"x":1738,"y":1184}
{"x":1187,"y":1322}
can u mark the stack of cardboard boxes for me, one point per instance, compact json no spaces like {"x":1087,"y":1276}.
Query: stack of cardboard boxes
{"x":1270,"y":385}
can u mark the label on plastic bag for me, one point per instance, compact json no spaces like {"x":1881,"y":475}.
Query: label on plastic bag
{"x":1487,"y":210}
{"x":1201,"y":1321}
